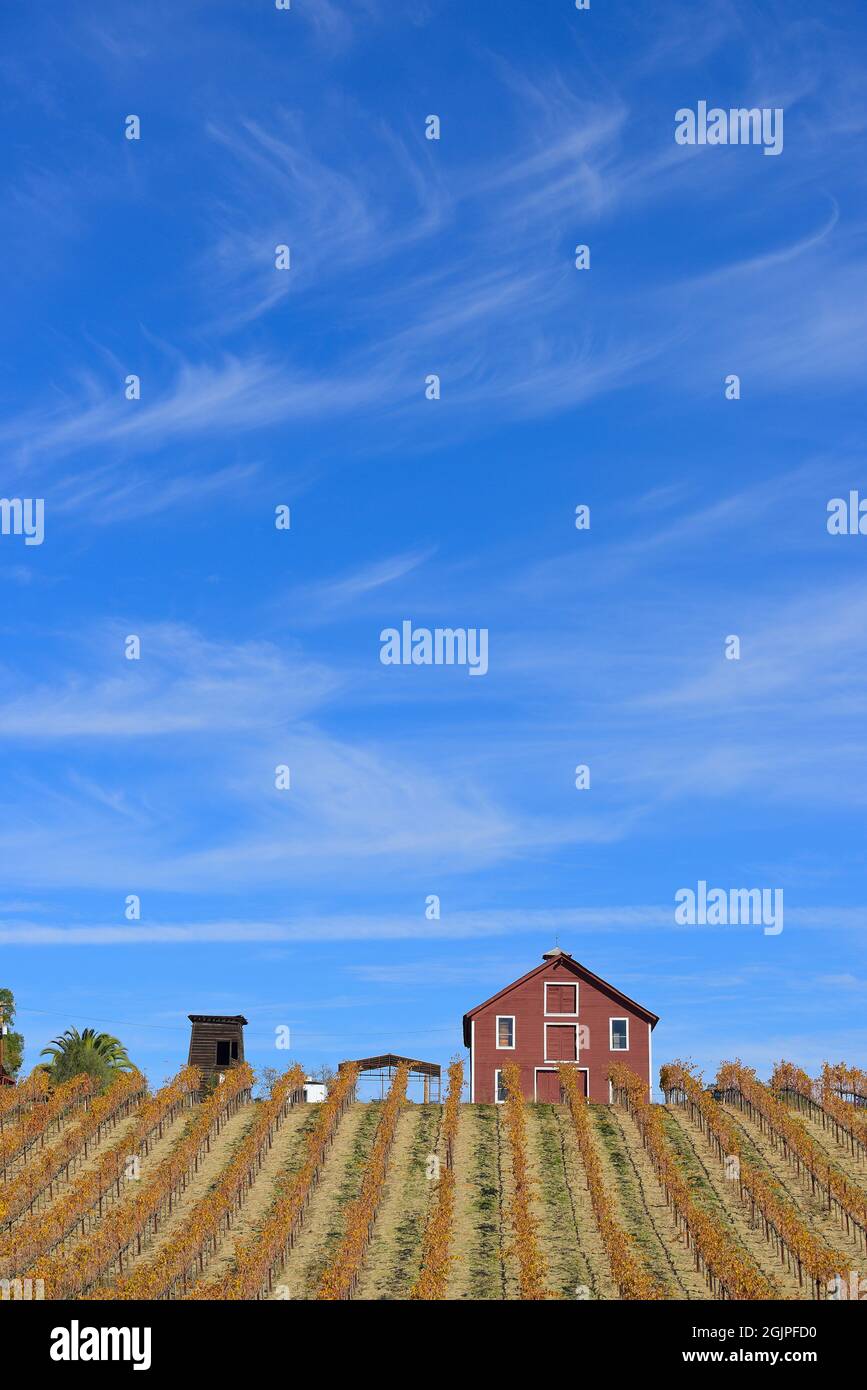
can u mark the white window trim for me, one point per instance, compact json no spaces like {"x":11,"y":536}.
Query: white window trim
{"x":621,"y":1018}
{"x":561,"y":982}
{"x":497,"y":1074}
{"x":504,"y":1047}
{"x":552,"y":1024}
{"x":536,"y":1071}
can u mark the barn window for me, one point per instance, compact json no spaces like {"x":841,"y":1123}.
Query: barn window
{"x":561,"y":1042}
{"x":500,"y":1093}
{"x":561,"y":999}
{"x":227,"y":1051}
{"x":619,"y":1034}
{"x":505,"y":1030}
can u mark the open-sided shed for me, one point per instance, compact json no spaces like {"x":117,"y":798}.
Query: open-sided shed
{"x":385,"y":1066}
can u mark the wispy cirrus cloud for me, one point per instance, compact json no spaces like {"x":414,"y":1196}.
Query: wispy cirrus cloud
{"x":107,"y":498}
{"x":373,"y":803}
{"x":495,"y":317}
{"x":480,"y":925}
{"x":202,"y":401}
{"x":184,"y":684}
{"x":777,"y":647}
{"x":328,"y":599}
{"x":336,"y":214}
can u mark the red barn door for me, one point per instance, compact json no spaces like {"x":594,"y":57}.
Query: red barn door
{"x":560,"y":999}
{"x":548,"y":1087}
{"x":560,"y":1042}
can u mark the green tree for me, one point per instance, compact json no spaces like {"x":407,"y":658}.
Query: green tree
{"x":13,"y":1043}
{"x":95,"y":1054}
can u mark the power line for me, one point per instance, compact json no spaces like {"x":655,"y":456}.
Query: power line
{"x":115,"y":1022}
{"x":182,"y":1027}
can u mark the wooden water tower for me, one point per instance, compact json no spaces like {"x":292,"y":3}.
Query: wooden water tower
{"x":216,"y":1042}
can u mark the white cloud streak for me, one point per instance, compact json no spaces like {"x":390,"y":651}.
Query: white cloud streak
{"x":479,"y":925}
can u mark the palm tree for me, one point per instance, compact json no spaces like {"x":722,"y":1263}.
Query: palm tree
{"x":97,"y":1054}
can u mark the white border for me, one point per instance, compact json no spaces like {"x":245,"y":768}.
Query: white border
{"x":498,"y":1047}
{"x":545,"y":1001}
{"x":498,"y":1071}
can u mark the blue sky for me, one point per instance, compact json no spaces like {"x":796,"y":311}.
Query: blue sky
{"x":261,"y":647}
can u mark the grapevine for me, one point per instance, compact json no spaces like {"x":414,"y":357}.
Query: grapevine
{"x":25,"y":1093}
{"x":432,"y":1282}
{"x":823,"y":1101}
{"x":200,"y":1233}
{"x":67,"y":1274}
{"x":787,"y":1077}
{"x":798,"y":1147}
{"x":629,"y":1275}
{"x":727,"y":1271}
{"x":781,"y":1221}
{"x":836,"y":1082}
{"x":845,"y":1080}
{"x":40,"y":1233}
{"x":19,"y":1138}
{"x":260,"y":1254}
{"x":42,"y":1170}
{"x":531,"y":1266}
{"x":341,"y":1276}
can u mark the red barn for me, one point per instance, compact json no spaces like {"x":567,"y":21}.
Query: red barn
{"x":558,"y":1012}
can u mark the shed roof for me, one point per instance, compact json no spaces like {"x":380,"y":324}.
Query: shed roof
{"x":391,"y":1059}
{"x":580,"y":970}
{"x":216,"y":1018}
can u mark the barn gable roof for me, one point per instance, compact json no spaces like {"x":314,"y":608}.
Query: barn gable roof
{"x":581,"y":971}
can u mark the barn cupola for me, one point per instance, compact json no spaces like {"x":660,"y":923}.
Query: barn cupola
{"x":556,"y":954}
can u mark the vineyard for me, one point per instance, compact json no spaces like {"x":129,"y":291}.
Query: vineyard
{"x":733,"y":1189}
